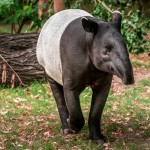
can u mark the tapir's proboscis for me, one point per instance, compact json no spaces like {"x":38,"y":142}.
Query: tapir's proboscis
{"x":78,"y":50}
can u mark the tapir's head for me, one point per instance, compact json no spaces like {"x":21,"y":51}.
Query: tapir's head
{"x":108,"y":50}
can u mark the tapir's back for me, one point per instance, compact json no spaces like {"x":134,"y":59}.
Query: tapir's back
{"x":48,"y":46}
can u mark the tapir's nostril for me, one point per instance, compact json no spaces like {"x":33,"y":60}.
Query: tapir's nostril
{"x":111,"y":68}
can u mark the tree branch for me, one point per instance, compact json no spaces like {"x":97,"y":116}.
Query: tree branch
{"x":105,"y":6}
{"x":12,"y":70}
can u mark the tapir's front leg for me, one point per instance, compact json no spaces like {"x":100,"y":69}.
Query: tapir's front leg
{"x":99,"y":97}
{"x":76,"y":119}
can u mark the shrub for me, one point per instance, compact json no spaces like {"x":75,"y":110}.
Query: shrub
{"x":134,"y":27}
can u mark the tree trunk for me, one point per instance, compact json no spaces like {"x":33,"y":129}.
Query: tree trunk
{"x":19,"y":52}
{"x":40,"y":10}
{"x":59,"y":5}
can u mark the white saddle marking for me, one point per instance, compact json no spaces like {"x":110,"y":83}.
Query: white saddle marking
{"x":48,"y":45}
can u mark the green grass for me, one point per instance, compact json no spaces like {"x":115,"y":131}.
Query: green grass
{"x":29,"y":119}
{"x":136,"y":64}
{"x":6,"y":28}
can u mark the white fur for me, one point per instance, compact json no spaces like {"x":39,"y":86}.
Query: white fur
{"x":116,"y":11}
{"x":48,"y":45}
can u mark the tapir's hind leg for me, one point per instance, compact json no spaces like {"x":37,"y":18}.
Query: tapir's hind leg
{"x":58,"y":93}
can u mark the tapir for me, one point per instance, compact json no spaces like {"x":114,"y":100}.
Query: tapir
{"x":78,"y":50}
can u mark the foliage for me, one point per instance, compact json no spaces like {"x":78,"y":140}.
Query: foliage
{"x":6,"y":2}
{"x":134,"y":27}
{"x":73,"y":5}
{"x":18,"y":13}
{"x":133,"y":30}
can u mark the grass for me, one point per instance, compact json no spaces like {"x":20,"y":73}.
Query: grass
{"x":6,"y":28}
{"x":29,"y":119}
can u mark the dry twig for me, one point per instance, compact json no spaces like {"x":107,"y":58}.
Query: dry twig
{"x":12,"y":70}
{"x":105,"y":6}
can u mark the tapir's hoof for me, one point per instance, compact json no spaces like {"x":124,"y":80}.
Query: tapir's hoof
{"x":104,"y":139}
{"x":67,"y":131}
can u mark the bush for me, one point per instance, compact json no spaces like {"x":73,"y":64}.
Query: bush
{"x":134,"y":27}
{"x":17,"y":13}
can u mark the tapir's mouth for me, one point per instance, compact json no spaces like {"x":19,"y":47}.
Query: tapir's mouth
{"x":126,"y":82}
{"x":126,"y":78}
{"x":116,"y":72}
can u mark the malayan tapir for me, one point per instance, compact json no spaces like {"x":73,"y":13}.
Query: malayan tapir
{"x":78,"y":50}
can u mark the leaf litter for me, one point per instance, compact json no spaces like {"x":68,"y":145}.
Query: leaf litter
{"x":26,"y":126}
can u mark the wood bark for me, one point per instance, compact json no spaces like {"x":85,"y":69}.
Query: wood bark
{"x":40,"y":10}
{"x":59,"y":5}
{"x":19,"y":52}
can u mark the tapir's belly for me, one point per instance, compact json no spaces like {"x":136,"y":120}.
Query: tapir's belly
{"x":48,"y":46}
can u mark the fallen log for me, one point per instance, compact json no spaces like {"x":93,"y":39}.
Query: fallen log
{"x":18,"y":59}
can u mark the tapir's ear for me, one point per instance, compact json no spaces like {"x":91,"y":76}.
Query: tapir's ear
{"x":117,"y":18}
{"x":89,"y":25}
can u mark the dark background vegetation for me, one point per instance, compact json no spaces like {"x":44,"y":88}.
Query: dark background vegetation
{"x":18,"y":16}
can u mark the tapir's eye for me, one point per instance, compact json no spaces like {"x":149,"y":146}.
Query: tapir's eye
{"x":107,"y":50}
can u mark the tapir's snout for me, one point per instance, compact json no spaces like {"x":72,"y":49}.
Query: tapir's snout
{"x":128,"y":79}
{"x":123,"y":69}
